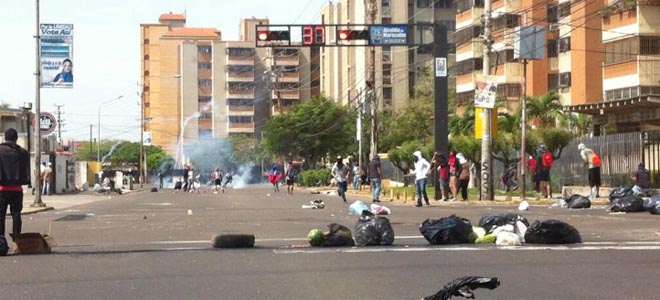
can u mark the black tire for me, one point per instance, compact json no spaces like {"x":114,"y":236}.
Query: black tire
{"x":154,"y":190}
{"x":233,"y":241}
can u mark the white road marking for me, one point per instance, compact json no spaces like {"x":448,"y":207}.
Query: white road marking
{"x":158,"y":204}
{"x":452,"y":248}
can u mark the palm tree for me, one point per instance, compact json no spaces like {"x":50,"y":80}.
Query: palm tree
{"x":546,"y":108}
{"x":579,"y":124}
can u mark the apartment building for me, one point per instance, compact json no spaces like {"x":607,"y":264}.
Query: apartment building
{"x":197,"y":86}
{"x":573,"y":59}
{"x":631,"y":67}
{"x":345,"y":70}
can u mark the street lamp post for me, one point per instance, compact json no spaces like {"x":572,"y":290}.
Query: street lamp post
{"x":98,"y":145}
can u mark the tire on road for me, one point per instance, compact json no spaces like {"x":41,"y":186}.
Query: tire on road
{"x":233,"y":241}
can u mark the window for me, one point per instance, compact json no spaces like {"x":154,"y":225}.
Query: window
{"x":469,"y":66}
{"x":233,"y":51}
{"x":509,"y":90}
{"x":506,"y":21}
{"x":565,"y":79}
{"x":450,"y":24}
{"x":240,"y":85}
{"x":285,"y":85}
{"x":240,"y":102}
{"x":204,"y":82}
{"x":386,"y":7}
{"x":146,"y":57}
{"x":464,"y":98}
{"x":423,"y":3}
{"x":463,"y":5}
{"x":387,"y":21}
{"x":240,"y":119}
{"x":205,"y":115}
{"x":442,"y":4}
{"x":146,"y":41}
{"x":500,"y":58}
{"x":466,"y":35}
{"x":284,"y":69}
{"x":204,"y":49}
{"x":563,"y":10}
{"x":565,"y":44}
{"x":240,"y":69}
{"x":649,"y":45}
{"x":553,"y":48}
{"x":204,"y":65}
{"x":315,"y":84}
{"x":387,"y":54}
{"x":146,"y":73}
{"x":204,"y":99}
{"x":387,"y":93}
{"x":553,"y":81}
{"x":622,"y":50}
{"x":387,"y":74}
{"x":286,"y":52}
{"x":552,"y":14}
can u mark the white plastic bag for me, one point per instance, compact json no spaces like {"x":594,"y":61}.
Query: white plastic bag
{"x":506,"y":238}
{"x":520,"y":230}
{"x":524,"y":205}
{"x":357,"y":207}
{"x":380,"y":209}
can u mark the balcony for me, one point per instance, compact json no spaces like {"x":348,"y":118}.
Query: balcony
{"x":240,"y":77}
{"x":241,"y":93}
{"x":469,"y":50}
{"x":286,"y":94}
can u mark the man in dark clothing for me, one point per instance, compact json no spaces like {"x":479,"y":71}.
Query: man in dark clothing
{"x":375,"y":174}
{"x":14,"y":172}
{"x":642,"y":179}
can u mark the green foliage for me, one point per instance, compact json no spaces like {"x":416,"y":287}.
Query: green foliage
{"x":468,"y":145}
{"x":312,"y":177}
{"x":555,"y":139}
{"x":462,"y":124}
{"x":311,"y":130}
{"x":402,"y":157}
{"x":547,"y":108}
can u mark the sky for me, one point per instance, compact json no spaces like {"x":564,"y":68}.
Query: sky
{"x":106,"y":52}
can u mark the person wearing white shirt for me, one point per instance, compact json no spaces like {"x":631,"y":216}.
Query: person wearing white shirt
{"x":422,"y":167}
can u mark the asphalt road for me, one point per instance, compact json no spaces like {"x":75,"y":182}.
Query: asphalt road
{"x":146,"y":246}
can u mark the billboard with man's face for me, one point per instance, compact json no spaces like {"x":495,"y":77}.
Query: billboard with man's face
{"x":56,"y":55}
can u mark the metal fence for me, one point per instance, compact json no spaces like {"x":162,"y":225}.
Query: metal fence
{"x":620,"y":154}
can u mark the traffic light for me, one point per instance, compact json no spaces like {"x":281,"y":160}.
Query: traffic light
{"x":313,"y":35}
{"x":278,"y":35}
{"x":351,"y":35}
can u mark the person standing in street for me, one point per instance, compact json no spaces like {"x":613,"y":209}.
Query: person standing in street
{"x":291,"y":175}
{"x":422,"y":167}
{"x":46,"y":175}
{"x":441,"y":164}
{"x":591,"y":159}
{"x":185,"y":178}
{"x":216,"y":178}
{"x":375,"y":174}
{"x":228,"y":179}
{"x":160,"y":179}
{"x":463,"y":175}
{"x":544,"y":161}
{"x":531,"y":168}
{"x":642,"y":180}
{"x":357,"y":176}
{"x":14,"y":172}
{"x":340,"y":172}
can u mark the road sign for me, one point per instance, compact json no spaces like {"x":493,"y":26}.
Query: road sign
{"x":47,"y":123}
{"x":388,"y":35}
{"x":147,"y":138}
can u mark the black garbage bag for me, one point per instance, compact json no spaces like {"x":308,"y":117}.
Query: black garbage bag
{"x":653,"y":205}
{"x":552,"y":232}
{"x":490,"y":222}
{"x":620,"y":192}
{"x":464,"y":286}
{"x":578,"y":201}
{"x":337,"y":236}
{"x":372,"y":230}
{"x":448,"y":230}
{"x":629,"y":203}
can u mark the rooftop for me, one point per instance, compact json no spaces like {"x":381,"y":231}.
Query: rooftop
{"x":194,"y":32}
{"x":172,"y":17}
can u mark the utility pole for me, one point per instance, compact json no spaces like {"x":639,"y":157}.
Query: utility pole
{"x":37,"y":114}
{"x":90,"y":139}
{"x":486,"y":142}
{"x":59,"y":123}
{"x":440,"y":95}
{"x":371,"y":84}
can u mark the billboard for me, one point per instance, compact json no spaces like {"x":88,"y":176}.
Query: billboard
{"x":47,"y":123}
{"x":56,"y":55}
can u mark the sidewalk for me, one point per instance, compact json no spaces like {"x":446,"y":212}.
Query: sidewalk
{"x":62,"y":201}
{"x":389,"y":196}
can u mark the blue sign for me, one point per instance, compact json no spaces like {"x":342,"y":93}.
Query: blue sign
{"x":388,"y":35}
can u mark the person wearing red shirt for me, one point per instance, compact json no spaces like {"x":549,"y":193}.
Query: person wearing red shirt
{"x":442,"y":165}
{"x":531,"y":167}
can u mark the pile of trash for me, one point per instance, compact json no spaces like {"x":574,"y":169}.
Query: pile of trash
{"x":370,"y":230}
{"x":502,"y":229}
{"x":315,"y":204}
{"x":358,"y":207}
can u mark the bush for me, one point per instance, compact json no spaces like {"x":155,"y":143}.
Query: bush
{"x":313,"y":177}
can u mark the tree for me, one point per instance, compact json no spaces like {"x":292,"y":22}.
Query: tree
{"x":546,"y":108}
{"x":462,"y":124}
{"x":311,"y":130}
{"x":402,"y":157}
